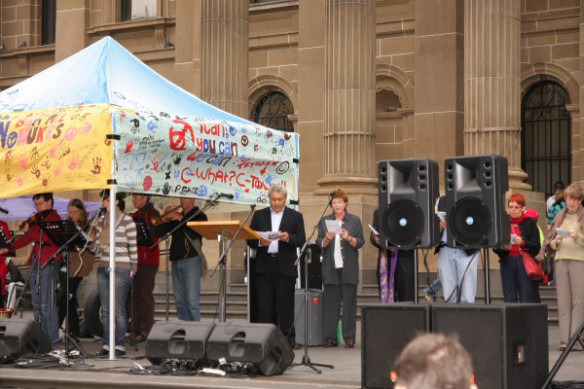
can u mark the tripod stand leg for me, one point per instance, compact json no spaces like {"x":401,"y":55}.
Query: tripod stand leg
{"x":575,"y":338}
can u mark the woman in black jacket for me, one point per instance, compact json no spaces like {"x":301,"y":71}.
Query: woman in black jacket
{"x":517,"y":286}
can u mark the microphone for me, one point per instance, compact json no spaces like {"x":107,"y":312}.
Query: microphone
{"x":226,"y":195}
{"x":101,"y":212}
{"x":252,"y":206}
{"x":4,"y":211}
{"x":331,"y":197}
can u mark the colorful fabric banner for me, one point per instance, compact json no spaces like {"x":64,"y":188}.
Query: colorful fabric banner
{"x":52,"y":150}
{"x":186,"y":156}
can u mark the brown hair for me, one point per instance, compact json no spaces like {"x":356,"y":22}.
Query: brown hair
{"x":77,"y":203}
{"x":574,"y":191}
{"x":340,"y":194}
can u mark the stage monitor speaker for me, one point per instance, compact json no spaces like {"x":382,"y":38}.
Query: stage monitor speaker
{"x":475,"y":201}
{"x":408,"y":190}
{"x":264,"y":345}
{"x":19,"y":337}
{"x":315,"y":317}
{"x":177,"y":339}
{"x":385,"y":331}
{"x":508,"y":343}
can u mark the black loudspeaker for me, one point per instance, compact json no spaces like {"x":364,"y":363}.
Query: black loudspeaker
{"x":385,"y":331}
{"x":475,"y":201}
{"x":264,"y":345}
{"x":508,"y":343}
{"x":19,"y":337}
{"x":177,"y":339}
{"x":408,"y":190}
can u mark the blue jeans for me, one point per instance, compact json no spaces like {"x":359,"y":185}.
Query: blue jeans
{"x":123,"y":285}
{"x":186,"y":283}
{"x":516,"y":285}
{"x":458,"y":274}
{"x":45,"y":304}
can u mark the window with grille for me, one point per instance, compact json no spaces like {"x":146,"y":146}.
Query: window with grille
{"x":546,"y":137}
{"x":272,"y":111}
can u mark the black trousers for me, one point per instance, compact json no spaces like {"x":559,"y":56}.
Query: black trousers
{"x":275,"y":294}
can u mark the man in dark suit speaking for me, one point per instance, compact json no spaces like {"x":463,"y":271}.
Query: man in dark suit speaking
{"x":275,"y":273}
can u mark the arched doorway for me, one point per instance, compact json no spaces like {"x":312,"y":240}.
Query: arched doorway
{"x":546,"y":137}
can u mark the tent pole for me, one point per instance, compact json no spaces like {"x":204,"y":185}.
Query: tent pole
{"x":112,"y":274}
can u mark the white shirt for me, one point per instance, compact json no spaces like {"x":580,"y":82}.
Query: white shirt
{"x":276,"y":220}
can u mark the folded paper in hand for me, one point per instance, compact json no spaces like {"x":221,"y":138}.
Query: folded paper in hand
{"x":269,"y":235}
{"x":333,"y":226}
{"x":563,"y":233}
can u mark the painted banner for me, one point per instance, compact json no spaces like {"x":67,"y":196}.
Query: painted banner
{"x":190,"y":157}
{"x":52,"y":150}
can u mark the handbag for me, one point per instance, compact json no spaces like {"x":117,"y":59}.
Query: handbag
{"x":532,"y":267}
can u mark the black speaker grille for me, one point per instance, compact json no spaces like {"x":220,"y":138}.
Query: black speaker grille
{"x":470,"y":221}
{"x":403,"y":222}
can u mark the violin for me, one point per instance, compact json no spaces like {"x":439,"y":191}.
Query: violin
{"x":36,"y":218}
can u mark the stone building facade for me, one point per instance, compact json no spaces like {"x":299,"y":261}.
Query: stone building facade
{"x":361,"y":81}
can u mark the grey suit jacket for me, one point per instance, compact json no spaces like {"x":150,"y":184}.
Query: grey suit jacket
{"x":352,"y":224}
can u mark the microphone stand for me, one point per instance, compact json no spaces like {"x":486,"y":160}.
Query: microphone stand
{"x":305,"y":358}
{"x":222,"y":263}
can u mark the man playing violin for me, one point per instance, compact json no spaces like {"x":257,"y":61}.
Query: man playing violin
{"x":43,"y":285}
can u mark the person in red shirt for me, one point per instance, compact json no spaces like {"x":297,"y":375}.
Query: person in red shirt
{"x":43,"y":274}
{"x":148,"y":261}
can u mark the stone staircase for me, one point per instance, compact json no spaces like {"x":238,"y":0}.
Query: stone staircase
{"x":237,"y":301}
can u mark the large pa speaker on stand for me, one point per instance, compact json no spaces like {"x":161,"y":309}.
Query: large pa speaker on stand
{"x":408,"y":189}
{"x":475,"y":201}
{"x":19,"y":337}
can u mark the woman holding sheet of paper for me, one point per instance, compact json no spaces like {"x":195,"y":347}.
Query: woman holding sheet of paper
{"x":566,"y":237}
{"x":340,"y":235}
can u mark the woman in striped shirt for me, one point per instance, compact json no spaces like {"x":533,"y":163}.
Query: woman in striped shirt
{"x":126,"y":263}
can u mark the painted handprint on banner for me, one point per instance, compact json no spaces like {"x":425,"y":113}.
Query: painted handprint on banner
{"x":36,"y":172}
{"x":75,"y":159}
{"x":96,"y":165}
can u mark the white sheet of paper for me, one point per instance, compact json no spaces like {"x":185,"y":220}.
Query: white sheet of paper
{"x":441,"y":215}
{"x":373,"y":229}
{"x":269,"y":235}
{"x":334,"y":226}
{"x":563,"y":233}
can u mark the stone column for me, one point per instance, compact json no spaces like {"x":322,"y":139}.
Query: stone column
{"x":188,"y":45}
{"x":349,"y":102}
{"x":71,"y":26}
{"x":224,"y":51}
{"x":492,"y":95}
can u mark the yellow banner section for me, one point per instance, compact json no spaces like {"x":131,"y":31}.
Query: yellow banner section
{"x":53,"y":150}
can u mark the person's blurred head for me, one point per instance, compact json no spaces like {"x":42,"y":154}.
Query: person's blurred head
{"x":558,"y":185}
{"x":434,"y":361}
{"x":140,"y":200}
{"x":339,"y":201}
{"x":559,"y":195}
{"x":277,"y":195}
{"x":516,"y":205}
{"x":76,"y":211}
{"x":187,"y":203}
{"x":574,"y":195}
{"x":105,"y":202}
{"x":43,"y":201}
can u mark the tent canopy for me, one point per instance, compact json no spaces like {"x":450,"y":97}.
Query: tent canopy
{"x":57,"y":129}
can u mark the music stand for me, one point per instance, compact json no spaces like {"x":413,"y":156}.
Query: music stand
{"x":223,"y":230}
{"x":67,"y":236}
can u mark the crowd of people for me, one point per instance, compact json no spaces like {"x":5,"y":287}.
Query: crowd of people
{"x":340,"y":237}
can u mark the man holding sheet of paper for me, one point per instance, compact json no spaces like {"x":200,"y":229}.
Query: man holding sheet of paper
{"x":282,"y":231}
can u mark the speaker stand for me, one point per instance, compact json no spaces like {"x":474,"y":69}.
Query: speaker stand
{"x":487,"y":277}
{"x":575,"y":338}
